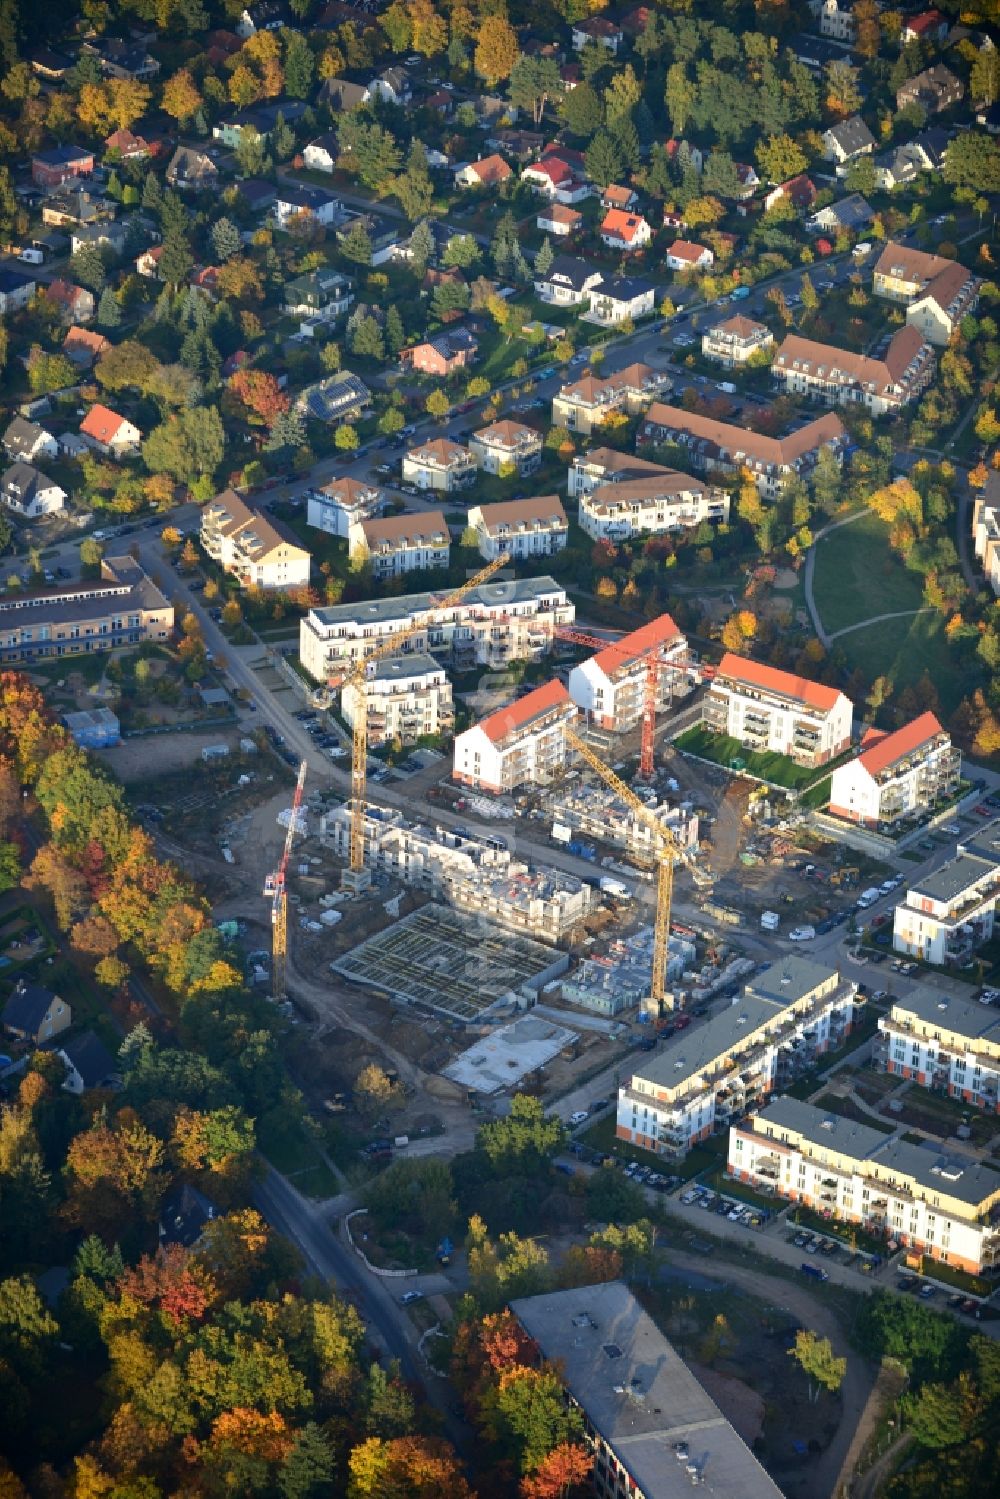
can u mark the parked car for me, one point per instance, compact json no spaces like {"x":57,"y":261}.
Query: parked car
{"x":579,"y":1117}
{"x":409,"y":1297}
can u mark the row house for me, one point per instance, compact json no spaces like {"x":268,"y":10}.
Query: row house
{"x":937,"y":292}
{"x":735,"y":340}
{"x":439,"y":464}
{"x":404,"y":698}
{"x":986,"y":529}
{"x":903,"y":774}
{"x":599,"y":466}
{"x":945,"y":1043}
{"x":946,"y":1207}
{"x":585,"y":403}
{"x":948,"y":914}
{"x":245,"y":542}
{"x":121,"y":608}
{"x":701,"y":1081}
{"x":650,"y":506}
{"x":535,"y":527}
{"x":494,"y":624}
{"x":778,"y":712}
{"x":523,"y":744}
{"x":715,"y":446}
{"x":398,"y":544}
{"x":839,"y":377}
{"x":506,"y":447}
{"x":610,"y":688}
{"x":341,"y":503}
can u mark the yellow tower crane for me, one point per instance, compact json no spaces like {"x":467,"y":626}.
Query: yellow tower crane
{"x":355,"y":677}
{"x":668,"y":853}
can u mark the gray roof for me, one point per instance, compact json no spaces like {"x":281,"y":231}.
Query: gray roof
{"x":640,"y":1396}
{"x":965,"y":1017}
{"x":27,"y":1007}
{"x":183,"y":1216}
{"x":188,"y":165}
{"x":20,"y":484}
{"x":948,"y":882}
{"x":329,"y":399}
{"x":857,"y":1140}
{"x":852,"y":212}
{"x":123,"y":586}
{"x":388,"y":611}
{"x":571,"y":269}
{"x":852,"y":136}
{"x":790,"y":979}
{"x":21,"y":436}
{"x":91,"y":1058}
{"x":401,"y":668}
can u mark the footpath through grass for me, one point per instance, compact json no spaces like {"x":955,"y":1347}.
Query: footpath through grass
{"x":858,"y":575}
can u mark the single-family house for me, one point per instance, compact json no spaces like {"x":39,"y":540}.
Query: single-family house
{"x":109,"y":433}
{"x":321,"y":154}
{"x":191,"y":171}
{"x":257,"y":193}
{"x":305,"y":204}
{"x":323,"y":294}
{"x":536,"y":527}
{"x":49,"y":65}
{"x":488,"y":171}
{"x":440,"y":464}
{"x":853,"y":213}
{"x":559,"y":174}
{"x":88,"y":1064}
{"x":847,"y":141}
{"x":83,"y":346}
{"x":733,"y":341}
{"x":929,"y":149}
{"x":398,"y":544}
{"x":618,"y":298}
{"x":624,"y":198}
{"x":799,"y":191}
{"x":147,"y":263}
{"x":338,"y":398}
{"x":75,"y":303}
{"x":54,"y":167}
{"x":107,"y":234}
{"x":30,"y":493}
{"x":507,"y":447}
{"x":16,"y":290}
{"x":748,"y":181}
{"x":34,"y":1014}
{"x":934,"y":90}
{"x":686,"y":255}
{"x":560,"y":220}
{"x":27,"y":441}
{"x":250,"y":545}
{"x":442,"y":354}
{"x":600,"y":30}
{"x":929,"y":26}
{"x":127,"y":60}
{"x":263,"y":15}
{"x":568,"y":281}
{"x":621,"y":230}
{"x":127,"y":146}
{"x":393,"y":85}
{"x":835,"y":17}
{"x":894,"y":168}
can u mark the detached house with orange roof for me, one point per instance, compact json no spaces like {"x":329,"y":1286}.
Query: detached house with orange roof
{"x":559,"y":220}
{"x":685,"y":255}
{"x":75,"y":303}
{"x":109,"y":433}
{"x":488,"y":171}
{"x":610,"y":688}
{"x":400,"y":543}
{"x":523,"y":744}
{"x":778,"y":712}
{"x":622,"y":230}
{"x":896,"y":775}
{"x":83,"y":346}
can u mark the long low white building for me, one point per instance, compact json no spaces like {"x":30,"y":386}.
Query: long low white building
{"x":950,"y":912}
{"x":494,"y":624}
{"x":945,"y":1043}
{"x":521,"y":744}
{"x":651,"y":506}
{"x":944,"y":1206}
{"x":897,"y":775}
{"x":777,"y":711}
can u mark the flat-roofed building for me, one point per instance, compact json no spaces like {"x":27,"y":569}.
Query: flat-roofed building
{"x":522,"y":744}
{"x":246,"y":542}
{"x":405,"y":698}
{"x":897,"y":775}
{"x":609,"y":688}
{"x":650,"y":506}
{"x":840,"y":377}
{"x":712,"y":1074}
{"x":401,"y":543}
{"x":498,"y":622}
{"x":986,"y":529}
{"x":949,"y":913}
{"x":735,"y":340}
{"x":520,"y":528}
{"x":719,"y":446}
{"x":652,"y":1428}
{"x":943,"y":1042}
{"x":771,"y":710}
{"x":120,"y":608}
{"x":945,"y":1206}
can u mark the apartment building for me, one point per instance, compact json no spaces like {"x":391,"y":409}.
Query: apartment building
{"x":494,"y":624}
{"x":735,"y":340}
{"x":404,"y":698}
{"x":439,"y":464}
{"x":938,"y":293}
{"x":943,"y":1042}
{"x":585,"y":403}
{"x":341,"y":504}
{"x":261,"y":552}
{"x":609,"y":688}
{"x":897,"y":775}
{"x":934,"y":90}
{"x":120,"y":608}
{"x":950,"y":912}
{"x":506,"y":447}
{"x":522,"y":528}
{"x":986,"y":529}
{"x":839,"y":377}
{"x":478,"y":875}
{"x":523,"y":744}
{"x":651,"y":1427}
{"x":715,"y":446}
{"x":607,"y":466}
{"x":668,"y":501}
{"x":944,"y":1206}
{"x":400,"y":543}
{"x":707,"y":1077}
{"x":772,"y":710}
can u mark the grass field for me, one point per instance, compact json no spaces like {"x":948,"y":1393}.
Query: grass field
{"x":723,"y":750}
{"x":903,"y":649}
{"x":857,"y":575}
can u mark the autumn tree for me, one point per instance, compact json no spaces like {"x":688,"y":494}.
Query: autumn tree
{"x":171,"y":1282}
{"x":180,"y":97}
{"x":497,"y":50}
{"x":739,"y":629}
{"x":260,"y":392}
{"x":410,"y":1467}
{"x":779,"y":158}
{"x":816,"y":1357}
{"x":567,"y":1467}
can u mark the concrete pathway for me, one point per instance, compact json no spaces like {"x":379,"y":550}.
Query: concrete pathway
{"x":877,"y":619}
{"x":834,"y":525}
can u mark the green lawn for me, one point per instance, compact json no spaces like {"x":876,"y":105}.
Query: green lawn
{"x":904,"y":649}
{"x":858,"y":575}
{"x":723,"y":750}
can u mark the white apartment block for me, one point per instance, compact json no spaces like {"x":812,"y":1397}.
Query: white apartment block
{"x":399,"y":544}
{"x":256,"y":549}
{"x":585,"y":403}
{"x":523,"y":744}
{"x":896,"y":775}
{"x":707,"y":1077}
{"x":839,"y":377}
{"x":507,"y":447}
{"x":713,"y":446}
{"x":986,"y":530}
{"x":668,"y":501}
{"x":609,"y":688}
{"x":732,"y":342}
{"x":520,"y":528}
{"x":476,"y":875}
{"x":405,"y":698}
{"x":945,"y":1043}
{"x":607,"y":466}
{"x":771,"y":710}
{"x":342,"y":503}
{"x":494,"y":624}
{"x":439,"y":464}
{"x":937,"y":292}
{"x":950,"y":913}
{"x":944,"y":1206}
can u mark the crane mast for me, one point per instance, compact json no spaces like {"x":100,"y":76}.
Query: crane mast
{"x":276,"y":886}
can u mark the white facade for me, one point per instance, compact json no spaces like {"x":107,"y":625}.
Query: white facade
{"x":951,"y":911}
{"x":520,"y":528}
{"x":771,"y":710}
{"x":29,"y":492}
{"x":250,"y":545}
{"x":703,"y":1079}
{"x":610,"y":688}
{"x":986,"y":530}
{"x":732,"y":342}
{"x":439,"y":464}
{"x":401,"y":543}
{"x":523,"y":744}
{"x":405,"y":698}
{"x":943,"y":1043}
{"x":897,"y":775}
{"x":836,"y":19}
{"x":341,"y":504}
{"x":649,"y":507}
{"x":507,"y":444}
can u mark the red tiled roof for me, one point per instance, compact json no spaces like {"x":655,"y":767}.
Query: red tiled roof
{"x":550,"y":695}
{"x":685,"y":249}
{"x":756,"y":674}
{"x":888,"y":749}
{"x":623,"y":225}
{"x":490,"y":169}
{"x":659,"y":631}
{"x":101,"y":423}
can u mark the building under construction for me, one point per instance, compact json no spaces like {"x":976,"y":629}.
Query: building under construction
{"x":619,"y":978}
{"x":478,"y":875}
{"x":596,"y":812}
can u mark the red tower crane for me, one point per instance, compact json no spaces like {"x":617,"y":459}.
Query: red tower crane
{"x":275,"y":885}
{"x":653,"y":664}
